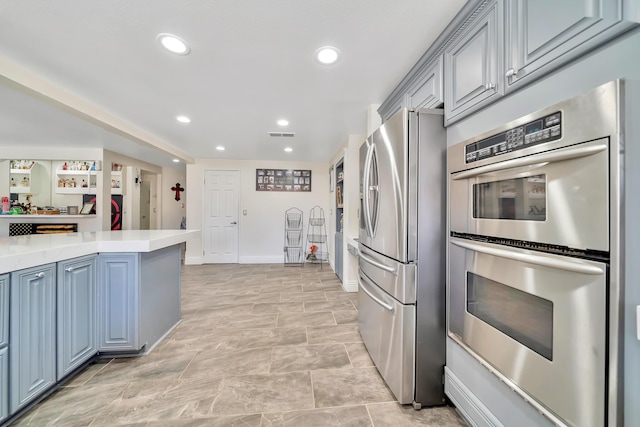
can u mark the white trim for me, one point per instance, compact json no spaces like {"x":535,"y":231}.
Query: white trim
{"x":193,"y":260}
{"x":251,"y":259}
{"x":350,"y":286}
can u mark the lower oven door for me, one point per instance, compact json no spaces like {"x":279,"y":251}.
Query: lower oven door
{"x":537,"y":321}
{"x":388,"y":330}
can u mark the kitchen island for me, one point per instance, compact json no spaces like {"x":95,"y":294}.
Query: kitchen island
{"x":66,"y":299}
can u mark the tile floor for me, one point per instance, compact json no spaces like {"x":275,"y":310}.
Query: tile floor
{"x":259,"y":345}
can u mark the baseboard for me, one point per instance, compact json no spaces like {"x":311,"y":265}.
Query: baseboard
{"x":467,"y":405}
{"x":193,"y":260}
{"x":261,"y":259}
{"x":350,"y":286}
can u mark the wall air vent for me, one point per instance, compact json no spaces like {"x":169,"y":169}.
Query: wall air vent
{"x":282,"y":134}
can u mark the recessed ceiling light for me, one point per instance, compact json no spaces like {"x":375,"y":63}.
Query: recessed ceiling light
{"x":176,"y":160}
{"x":327,"y":55}
{"x":283,"y":122}
{"x":220,"y":148}
{"x":288,"y":149}
{"x":183,"y":119}
{"x":173,"y":44}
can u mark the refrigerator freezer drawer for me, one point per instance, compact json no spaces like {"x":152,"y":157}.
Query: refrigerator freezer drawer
{"x":388,"y":330}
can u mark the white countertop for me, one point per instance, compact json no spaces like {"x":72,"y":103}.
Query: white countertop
{"x":21,"y":252}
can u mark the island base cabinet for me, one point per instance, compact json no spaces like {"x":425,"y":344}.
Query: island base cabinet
{"x":4,"y":350}
{"x":118,"y":299}
{"x":76,"y":286}
{"x":32,"y":350}
{"x":4,"y":383}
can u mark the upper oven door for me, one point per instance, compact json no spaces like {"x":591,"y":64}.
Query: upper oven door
{"x":537,"y":319}
{"x":559,"y":197}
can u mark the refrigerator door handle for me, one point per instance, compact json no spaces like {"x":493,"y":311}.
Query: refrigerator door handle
{"x":365,"y":195}
{"x":377,"y":300}
{"x":378,"y":264}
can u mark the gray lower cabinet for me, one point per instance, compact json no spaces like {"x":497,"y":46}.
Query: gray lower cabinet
{"x":4,"y":350}
{"x":77,"y":320}
{"x":472,"y":63}
{"x":118,"y":301}
{"x":4,"y":383}
{"x":139,"y":299}
{"x":32,"y":351}
{"x":544,"y":34}
{"x":338,"y":259}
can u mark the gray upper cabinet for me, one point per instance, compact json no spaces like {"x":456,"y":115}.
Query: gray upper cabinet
{"x":472,"y":63}
{"x":427,"y":91}
{"x":77,"y":301}
{"x":544,"y":34}
{"x":32,"y":350}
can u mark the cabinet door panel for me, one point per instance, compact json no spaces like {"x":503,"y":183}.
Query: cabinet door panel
{"x":32,"y":349}
{"x":118,"y":283}
{"x":4,"y":310}
{"x":472,"y":63}
{"x":544,"y":34}
{"x":4,"y":383}
{"x":76,"y":313}
{"x":427,"y":92}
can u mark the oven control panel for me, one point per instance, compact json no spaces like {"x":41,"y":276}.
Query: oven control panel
{"x":539,"y":131}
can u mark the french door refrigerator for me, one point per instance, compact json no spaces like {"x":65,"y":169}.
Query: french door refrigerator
{"x":401,"y":299}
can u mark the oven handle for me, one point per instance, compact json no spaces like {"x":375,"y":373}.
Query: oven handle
{"x":375,"y":263}
{"x":381,"y":303}
{"x":561,"y":264}
{"x":552,"y":156}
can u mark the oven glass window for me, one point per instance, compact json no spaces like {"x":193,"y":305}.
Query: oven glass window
{"x":518,"y":198}
{"x":526,"y":318}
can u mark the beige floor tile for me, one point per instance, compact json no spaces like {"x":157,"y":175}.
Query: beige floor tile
{"x":333,"y":334}
{"x":309,"y":358}
{"x":392,"y":414}
{"x":258,"y":346}
{"x":264,"y":393}
{"x":350,"y":416}
{"x":306,"y":319}
{"x":344,"y":387}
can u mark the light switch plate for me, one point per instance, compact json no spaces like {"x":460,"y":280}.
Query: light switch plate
{"x":244,"y":212}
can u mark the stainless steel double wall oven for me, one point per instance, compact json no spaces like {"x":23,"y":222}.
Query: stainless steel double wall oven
{"x":534,"y":291}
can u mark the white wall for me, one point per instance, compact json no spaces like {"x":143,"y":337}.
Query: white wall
{"x":172,"y":210}
{"x":261,"y":230}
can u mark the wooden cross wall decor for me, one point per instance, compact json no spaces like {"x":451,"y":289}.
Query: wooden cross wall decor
{"x":177,"y":189}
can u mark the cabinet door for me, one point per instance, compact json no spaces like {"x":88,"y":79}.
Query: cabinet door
{"x":339,"y":254}
{"x":472,"y":63}
{"x":4,"y":310}
{"x":32,"y":353}
{"x":118,"y":302}
{"x":76,"y":313}
{"x":4,"y":383}
{"x":542,"y":34}
{"x":427,"y":91}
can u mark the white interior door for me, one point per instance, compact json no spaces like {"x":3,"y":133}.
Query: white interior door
{"x":221,"y":216}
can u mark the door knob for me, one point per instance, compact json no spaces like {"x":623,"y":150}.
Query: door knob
{"x":234,"y":223}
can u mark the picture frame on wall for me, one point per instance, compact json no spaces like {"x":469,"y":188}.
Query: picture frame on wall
{"x":285,"y":180}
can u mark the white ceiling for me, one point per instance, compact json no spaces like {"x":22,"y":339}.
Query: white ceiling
{"x":251,"y":63}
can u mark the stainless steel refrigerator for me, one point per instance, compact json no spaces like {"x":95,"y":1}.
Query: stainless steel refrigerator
{"x":401,"y":299}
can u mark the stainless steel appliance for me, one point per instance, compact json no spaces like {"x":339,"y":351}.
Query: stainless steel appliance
{"x":401,"y":247}
{"x":534,"y":291}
